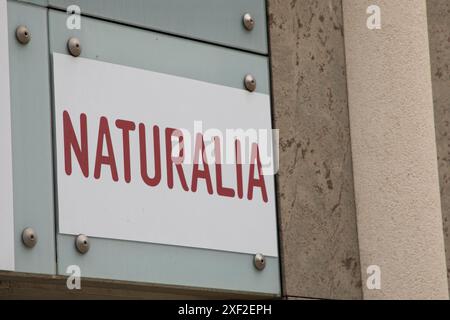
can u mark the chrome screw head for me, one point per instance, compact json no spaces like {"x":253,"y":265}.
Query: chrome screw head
{"x":259,"y":261}
{"x":23,"y":35}
{"x":82,"y":243}
{"x":74,"y":46}
{"x":250,"y":83}
{"x":29,"y":237}
{"x":249,"y":22}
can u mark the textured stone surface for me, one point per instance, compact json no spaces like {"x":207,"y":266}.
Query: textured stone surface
{"x":316,"y":200}
{"x":439,"y":33}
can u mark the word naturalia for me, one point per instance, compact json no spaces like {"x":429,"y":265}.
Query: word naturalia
{"x":78,"y":145}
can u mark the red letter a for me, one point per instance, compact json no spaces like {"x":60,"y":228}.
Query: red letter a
{"x":252,"y":182}
{"x":104,"y":134}
{"x":196,"y":172}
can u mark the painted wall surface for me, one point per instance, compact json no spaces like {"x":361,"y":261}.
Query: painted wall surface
{"x":439,"y":33}
{"x":319,"y":247}
{"x":394,"y":149}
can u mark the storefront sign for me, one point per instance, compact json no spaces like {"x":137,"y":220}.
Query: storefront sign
{"x":150,"y":157}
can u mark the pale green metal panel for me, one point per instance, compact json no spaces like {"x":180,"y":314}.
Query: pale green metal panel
{"x":216,"y":21}
{"x":143,"y":49}
{"x":170,"y":265}
{"x":32,"y":139}
{"x":43,"y":3}
{"x":155,"y":263}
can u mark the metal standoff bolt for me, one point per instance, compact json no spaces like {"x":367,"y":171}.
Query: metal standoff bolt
{"x":259,"y":261}
{"x":74,"y":46}
{"x":29,"y":237}
{"x":250,"y":83}
{"x":249,"y":23}
{"x":82,"y":243}
{"x":23,"y":35}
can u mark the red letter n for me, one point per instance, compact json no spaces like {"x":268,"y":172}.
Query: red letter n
{"x":71,"y":143}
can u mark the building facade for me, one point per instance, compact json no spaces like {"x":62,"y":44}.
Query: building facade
{"x":358,"y":92}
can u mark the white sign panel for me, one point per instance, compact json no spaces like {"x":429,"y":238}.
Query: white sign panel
{"x":144,"y":156}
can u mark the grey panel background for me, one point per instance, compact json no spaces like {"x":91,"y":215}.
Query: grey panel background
{"x":134,"y":47}
{"x":43,"y":3}
{"x":169,"y":265}
{"x":439,"y":34}
{"x":320,"y":254}
{"x":32,"y":139}
{"x":216,"y":21}
{"x":131,"y":261}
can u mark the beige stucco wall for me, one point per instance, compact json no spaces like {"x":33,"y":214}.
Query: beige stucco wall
{"x":394,"y":149}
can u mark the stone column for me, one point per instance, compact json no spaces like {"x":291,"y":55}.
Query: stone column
{"x":394,"y":149}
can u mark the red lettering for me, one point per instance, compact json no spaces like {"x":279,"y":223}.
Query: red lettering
{"x":252,"y":182}
{"x":221,"y":190}
{"x":240,"y":188}
{"x":71,"y":143}
{"x":143,"y":150}
{"x":76,"y":143}
{"x":196,"y":172}
{"x":104,"y":134}
{"x":177,"y":160}
{"x":126,"y":127}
